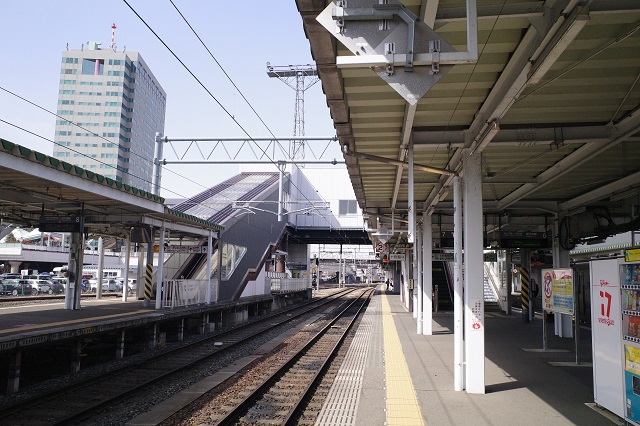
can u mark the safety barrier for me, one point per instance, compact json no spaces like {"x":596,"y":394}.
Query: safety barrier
{"x":285,"y":285}
{"x":187,"y":292}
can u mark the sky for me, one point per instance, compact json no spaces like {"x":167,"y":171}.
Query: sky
{"x":242,"y":36}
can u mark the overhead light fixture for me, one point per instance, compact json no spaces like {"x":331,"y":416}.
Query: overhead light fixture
{"x":567,"y":32}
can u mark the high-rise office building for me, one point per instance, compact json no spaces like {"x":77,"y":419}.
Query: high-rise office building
{"x":118,"y":106}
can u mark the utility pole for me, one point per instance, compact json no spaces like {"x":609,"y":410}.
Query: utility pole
{"x":299,"y":78}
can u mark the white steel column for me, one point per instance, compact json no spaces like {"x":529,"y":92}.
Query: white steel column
{"x":159,"y":286}
{"x":563,"y":324}
{"x":418,"y":280}
{"x":412,"y":210}
{"x":473,"y":274}
{"x":209,"y":255}
{"x":458,"y":306}
{"x":125,"y":285}
{"x":427,"y":275}
{"x":141,"y":272}
{"x":100,"y":276}
{"x":281,"y":190}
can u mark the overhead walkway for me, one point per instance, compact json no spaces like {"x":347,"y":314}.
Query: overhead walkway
{"x":255,"y":246}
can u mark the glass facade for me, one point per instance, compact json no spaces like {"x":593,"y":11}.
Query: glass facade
{"x":117,"y":135}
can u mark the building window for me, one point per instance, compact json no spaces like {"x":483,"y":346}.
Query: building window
{"x":348,"y":207}
{"x":93,"y":66}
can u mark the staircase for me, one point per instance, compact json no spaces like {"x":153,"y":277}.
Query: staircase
{"x":439,"y":276}
{"x":490,"y":298}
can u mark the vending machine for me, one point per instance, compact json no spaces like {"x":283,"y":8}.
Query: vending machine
{"x":630,"y":301}
{"x":606,"y":333}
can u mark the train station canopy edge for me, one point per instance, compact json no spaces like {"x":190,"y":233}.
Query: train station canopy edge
{"x":33,"y":185}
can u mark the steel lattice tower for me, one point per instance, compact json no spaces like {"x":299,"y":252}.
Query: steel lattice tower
{"x":299,"y":78}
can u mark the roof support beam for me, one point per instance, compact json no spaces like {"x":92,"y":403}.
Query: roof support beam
{"x":428,"y":11}
{"x":601,"y":192}
{"x":405,"y":138}
{"x":562,"y":167}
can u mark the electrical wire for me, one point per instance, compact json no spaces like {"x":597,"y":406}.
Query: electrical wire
{"x":77,"y":152}
{"x":226,"y":111}
{"x":85,"y":129}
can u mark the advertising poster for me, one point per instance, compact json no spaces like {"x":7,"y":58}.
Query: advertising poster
{"x":557,"y":290}
{"x":632,"y":381}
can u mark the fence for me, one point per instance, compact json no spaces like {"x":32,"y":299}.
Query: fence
{"x":284,"y":285}
{"x":187,"y":292}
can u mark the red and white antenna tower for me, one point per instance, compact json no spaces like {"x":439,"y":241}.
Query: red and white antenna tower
{"x":113,"y":37}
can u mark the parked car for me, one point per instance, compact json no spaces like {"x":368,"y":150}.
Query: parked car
{"x":108,"y":284}
{"x":133,"y":285}
{"x":43,"y":286}
{"x":58,"y":286}
{"x":17,"y":287}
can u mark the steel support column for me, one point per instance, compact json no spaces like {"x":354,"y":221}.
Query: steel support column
{"x":427,"y":275}
{"x":160,"y":285}
{"x":418,"y":279}
{"x":473,"y":274}
{"x":562,"y":323}
{"x":125,"y":284}
{"x":209,"y":256}
{"x":458,"y":305}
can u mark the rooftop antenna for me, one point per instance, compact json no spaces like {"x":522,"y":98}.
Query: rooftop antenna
{"x":304,"y":77}
{"x":113,"y":37}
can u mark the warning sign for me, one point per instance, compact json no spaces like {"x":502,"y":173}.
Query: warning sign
{"x":557,"y":287}
{"x":476,"y":315}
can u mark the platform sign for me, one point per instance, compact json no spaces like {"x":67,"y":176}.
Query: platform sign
{"x":185,"y":249}
{"x":442,"y":257}
{"x":557,"y":286}
{"x":61,"y":223}
{"x":524,"y":239}
{"x":396,"y":257}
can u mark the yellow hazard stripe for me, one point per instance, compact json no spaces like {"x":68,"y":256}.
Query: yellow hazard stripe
{"x":403,"y":408}
{"x":147,"y":282}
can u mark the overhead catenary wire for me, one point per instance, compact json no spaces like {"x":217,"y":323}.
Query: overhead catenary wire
{"x":77,"y":152}
{"x":81,"y":127}
{"x":226,"y":111}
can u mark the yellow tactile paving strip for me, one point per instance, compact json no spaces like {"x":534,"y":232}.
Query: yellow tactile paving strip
{"x":402,"y":403}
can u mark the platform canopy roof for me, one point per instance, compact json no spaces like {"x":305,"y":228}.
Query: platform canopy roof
{"x":34,"y":185}
{"x":551,"y":104}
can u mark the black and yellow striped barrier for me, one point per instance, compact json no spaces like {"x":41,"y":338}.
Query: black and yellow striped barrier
{"x":147,"y":282}
{"x":525,"y":294}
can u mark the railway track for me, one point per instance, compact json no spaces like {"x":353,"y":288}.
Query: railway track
{"x":280,"y":395}
{"x":75,"y":403}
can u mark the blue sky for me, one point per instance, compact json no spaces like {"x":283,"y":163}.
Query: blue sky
{"x":243,"y":36}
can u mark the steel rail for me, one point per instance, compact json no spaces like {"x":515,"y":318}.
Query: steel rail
{"x":232,"y":416}
{"x":22,"y":407}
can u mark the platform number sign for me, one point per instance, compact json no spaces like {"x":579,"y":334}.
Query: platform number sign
{"x":70,"y":223}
